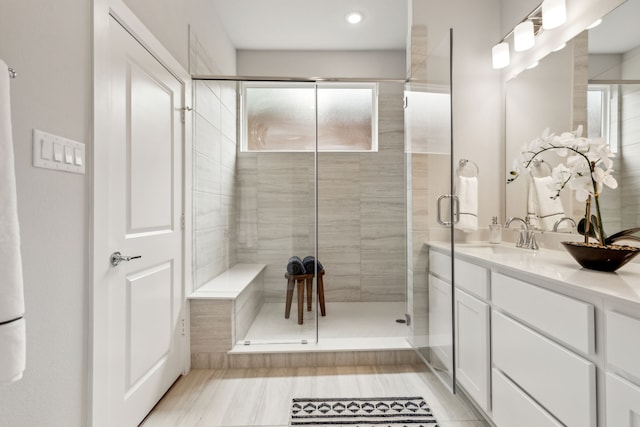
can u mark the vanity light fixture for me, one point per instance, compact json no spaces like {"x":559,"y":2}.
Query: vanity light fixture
{"x":500,"y":55}
{"x":554,"y":13}
{"x":354,"y":17}
{"x":523,"y":36}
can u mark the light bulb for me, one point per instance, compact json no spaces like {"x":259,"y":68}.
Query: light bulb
{"x":500,"y":55}
{"x":523,"y":37}
{"x":554,"y":13}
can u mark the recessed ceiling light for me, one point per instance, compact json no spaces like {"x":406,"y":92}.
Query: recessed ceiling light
{"x":354,"y":17}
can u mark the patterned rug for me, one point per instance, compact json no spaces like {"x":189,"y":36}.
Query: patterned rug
{"x":353,"y":412}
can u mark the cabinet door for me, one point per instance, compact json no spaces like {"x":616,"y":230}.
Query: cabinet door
{"x":623,"y":402}
{"x":440,"y":329}
{"x":472,"y":344}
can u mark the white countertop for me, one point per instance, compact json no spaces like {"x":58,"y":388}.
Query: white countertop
{"x":557,"y":267}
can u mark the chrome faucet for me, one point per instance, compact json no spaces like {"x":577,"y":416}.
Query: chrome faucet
{"x":561,"y":220}
{"x":526,"y":238}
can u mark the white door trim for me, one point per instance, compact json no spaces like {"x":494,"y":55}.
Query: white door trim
{"x":99,"y":176}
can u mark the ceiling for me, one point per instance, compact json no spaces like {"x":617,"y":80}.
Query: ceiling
{"x":314,"y":24}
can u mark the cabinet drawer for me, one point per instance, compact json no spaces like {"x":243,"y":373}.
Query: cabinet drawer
{"x":559,"y":380}
{"x":440,"y":264}
{"x":563,"y":318}
{"x":623,"y":402}
{"x":623,"y":344}
{"x":440,"y":322}
{"x":512,"y":407}
{"x":472,"y":278}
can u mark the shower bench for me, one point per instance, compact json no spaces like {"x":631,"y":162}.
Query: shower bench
{"x":223,"y":309}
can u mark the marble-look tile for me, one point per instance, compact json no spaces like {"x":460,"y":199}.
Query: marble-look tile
{"x":229,"y":90}
{"x":207,"y":138}
{"x":208,"y":211}
{"x":228,"y":155}
{"x":207,"y":104}
{"x":211,"y":326}
{"x":228,"y":126}
{"x":207,"y":174}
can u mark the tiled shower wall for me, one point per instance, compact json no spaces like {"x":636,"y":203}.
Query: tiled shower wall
{"x":259,"y":208}
{"x":214,"y":164}
{"x":361,"y":213}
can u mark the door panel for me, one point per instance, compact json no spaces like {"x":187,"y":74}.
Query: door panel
{"x":149,"y":312}
{"x":145,"y":204}
{"x":150,"y":144}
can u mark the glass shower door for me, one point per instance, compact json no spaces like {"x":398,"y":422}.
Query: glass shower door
{"x":430,"y":204}
{"x":276,"y":203}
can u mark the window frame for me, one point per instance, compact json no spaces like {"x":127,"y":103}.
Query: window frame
{"x":243,"y":133}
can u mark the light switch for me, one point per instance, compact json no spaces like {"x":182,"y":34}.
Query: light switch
{"x":68,"y":154}
{"x":78,"y":157}
{"x":47,"y":149}
{"x":57,"y":151}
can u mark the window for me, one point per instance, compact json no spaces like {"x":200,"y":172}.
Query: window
{"x":602,"y":114}
{"x":282,"y":116}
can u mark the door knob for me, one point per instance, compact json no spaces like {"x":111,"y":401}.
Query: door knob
{"x":116,"y":258}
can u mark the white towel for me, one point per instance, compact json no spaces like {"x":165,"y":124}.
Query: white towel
{"x":12,"y":331}
{"x":467,"y":192}
{"x":543,"y":211}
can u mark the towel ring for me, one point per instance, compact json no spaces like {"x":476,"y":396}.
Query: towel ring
{"x":536,"y":164}
{"x":464,"y":163}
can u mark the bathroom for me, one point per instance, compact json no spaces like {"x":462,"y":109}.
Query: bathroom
{"x":51,"y":47}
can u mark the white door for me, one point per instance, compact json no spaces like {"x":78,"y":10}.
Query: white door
{"x":145,"y":208}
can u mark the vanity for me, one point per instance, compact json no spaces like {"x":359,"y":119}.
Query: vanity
{"x":539,"y":341}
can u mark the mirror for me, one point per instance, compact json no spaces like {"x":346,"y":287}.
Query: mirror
{"x":593,"y":81}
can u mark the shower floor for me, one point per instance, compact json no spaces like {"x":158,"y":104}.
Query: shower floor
{"x":347,"y":326}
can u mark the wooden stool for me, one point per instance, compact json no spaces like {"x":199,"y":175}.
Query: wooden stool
{"x":298,"y":281}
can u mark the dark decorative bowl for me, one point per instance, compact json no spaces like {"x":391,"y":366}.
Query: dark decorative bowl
{"x":601,"y":258}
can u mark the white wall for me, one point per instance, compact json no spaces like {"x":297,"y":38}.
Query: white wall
{"x":170,"y":21}
{"x":358,"y":64}
{"x":49,"y":44}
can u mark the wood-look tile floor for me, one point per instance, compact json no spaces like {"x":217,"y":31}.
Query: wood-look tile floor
{"x":262,"y":397}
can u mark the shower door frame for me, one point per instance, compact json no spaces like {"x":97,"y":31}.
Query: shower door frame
{"x":314,"y":81}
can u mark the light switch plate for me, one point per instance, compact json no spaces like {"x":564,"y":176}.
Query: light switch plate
{"x":57,"y":153}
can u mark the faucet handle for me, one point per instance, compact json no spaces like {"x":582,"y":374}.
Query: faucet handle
{"x":533,"y":245}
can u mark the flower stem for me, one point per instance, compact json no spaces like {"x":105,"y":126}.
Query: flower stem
{"x":587,"y":217}
{"x":601,"y":234}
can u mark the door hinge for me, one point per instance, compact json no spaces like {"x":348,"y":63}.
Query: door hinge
{"x":183,"y":111}
{"x":182,"y":221}
{"x":183,"y":331}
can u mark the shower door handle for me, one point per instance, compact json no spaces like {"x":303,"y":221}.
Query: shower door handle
{"x":455,"y":208}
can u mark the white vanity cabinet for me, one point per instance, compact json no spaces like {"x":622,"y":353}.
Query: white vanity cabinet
{"x":622,"y":360}
{"x":472,"y":314}
{"x":472,"y":347}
